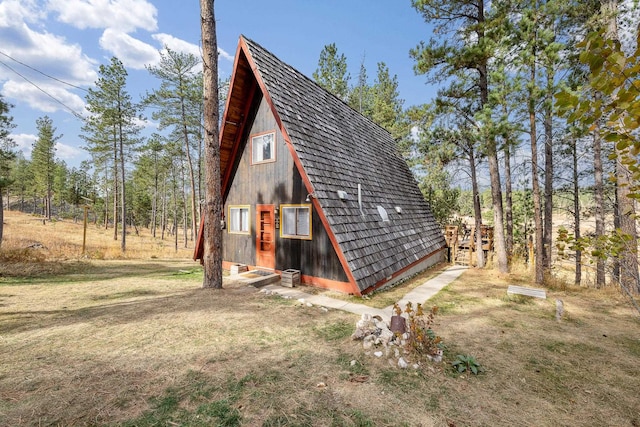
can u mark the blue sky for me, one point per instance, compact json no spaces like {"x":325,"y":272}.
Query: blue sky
{"x":69,"y":39}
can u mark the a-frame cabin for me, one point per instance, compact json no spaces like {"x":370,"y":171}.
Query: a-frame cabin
{"x":310,"y":184}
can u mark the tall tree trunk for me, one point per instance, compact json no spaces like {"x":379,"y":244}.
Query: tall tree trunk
{"x":537,"y":208}
{"x":548,"y":170}
{"x":192,"y":180}
{"x":106,"y":195}
{"x":508,"y":198}
{"x":1,"y":217}
{"x":615,"y":269}
{"x":184,"y":210}
{"x":212,"y":258}
{"x":626,"y":211}
{"x":598,"y":199}
{"x":200,"y":183}
{"x":492,"y":155}
{"x":163,"y":215}
{"x":154,"y":206}
{"x":496,"y":196}
{"x":477,"y":211}
{"x":115,"y":184}
{"x":175,"y":209}
{"x":123,"y":200}
{"x":576,"y":210}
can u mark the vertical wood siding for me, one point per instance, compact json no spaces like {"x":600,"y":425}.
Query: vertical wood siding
{"x":275,"y":183}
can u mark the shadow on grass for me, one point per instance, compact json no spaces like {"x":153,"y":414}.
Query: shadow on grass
{"x":62,"y":272}
{"x":147,"y":304}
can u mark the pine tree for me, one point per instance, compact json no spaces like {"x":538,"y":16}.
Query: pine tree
{"x":386,"y":108}
{"x":7,"y":154}
{"x":179,"y":100}
{"x":43,"y":161}
{"x":462,"y":47}
{"x":112,"y":128}
{"x":331,"y":73}
{"x":360,"y":96}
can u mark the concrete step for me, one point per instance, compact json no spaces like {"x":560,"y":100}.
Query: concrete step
{"x":255,"y":278}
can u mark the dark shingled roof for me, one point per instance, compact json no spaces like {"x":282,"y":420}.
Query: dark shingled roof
{"x":339,"y":149}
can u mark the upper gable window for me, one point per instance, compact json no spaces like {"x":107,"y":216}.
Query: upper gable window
{"x":263,"y":148}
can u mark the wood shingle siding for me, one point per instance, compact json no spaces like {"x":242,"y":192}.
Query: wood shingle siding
{"x":339,"y":149}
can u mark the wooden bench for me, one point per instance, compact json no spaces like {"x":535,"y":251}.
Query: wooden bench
{"x":530,"y":292}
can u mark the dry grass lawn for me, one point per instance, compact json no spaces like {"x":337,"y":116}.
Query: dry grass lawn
{"x":137,"y":342}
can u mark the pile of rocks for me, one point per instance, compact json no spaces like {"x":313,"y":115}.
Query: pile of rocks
{"x":378,"y":339}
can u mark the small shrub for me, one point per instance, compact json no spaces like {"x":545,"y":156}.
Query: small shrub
{"x":421,"y":338}
{"x":22,"y":255}
{"x":467,"y":363}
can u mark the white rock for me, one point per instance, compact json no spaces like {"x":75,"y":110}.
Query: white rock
{"x":324,"y":309}
{"x":416,"y":366}
{"x":396,"y":352}
{"x":301,"y":300}
{"x":378,"y":354}
{"x":353,"y":362}
{"x":386,"y":336}
{"x":437,"y":358}
{"x":381,"y":324}
{"x":367,"y":342}
{"x":309,"y":304}
{"x":402,"y":363}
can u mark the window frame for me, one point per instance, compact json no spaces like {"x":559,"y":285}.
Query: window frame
{"x":272,"y":151}
{"x":283,"y":226}
{"x":229,"y":219}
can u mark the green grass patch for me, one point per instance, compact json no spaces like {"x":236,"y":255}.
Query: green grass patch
{"x":334,"y":331}
{"x":631,"y":344}
{"x":402,"y":380}
{"x":359,"y":367}
{"x":189,"y":404}
{"x":197,"y":272}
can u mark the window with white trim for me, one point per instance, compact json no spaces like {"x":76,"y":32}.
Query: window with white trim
{"x":263,"y":148}
{"x":296,"y":221}
{"x":239,"y":219}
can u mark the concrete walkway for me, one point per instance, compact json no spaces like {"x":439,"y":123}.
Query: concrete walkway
{"x":418,"y":295}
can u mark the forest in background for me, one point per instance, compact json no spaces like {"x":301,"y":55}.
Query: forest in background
{"x":535,"y":116}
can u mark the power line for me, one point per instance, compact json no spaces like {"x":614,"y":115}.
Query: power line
{"x":43,"y":73}
{"x":77,"y":115}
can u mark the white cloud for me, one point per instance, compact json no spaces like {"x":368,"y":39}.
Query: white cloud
{"x":45,"y":51}
{"x":131,"y":51}
{"x":123,"y":15}
{"x":224,"y":54}
{"x":67,"y":152}
{"x":15,"y":11}
{"x":177,"y":44}
{"x":27,"y":50}
{"x":38,"y":100}
{"x":24,"y":142}
{"x":145,"y":123}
